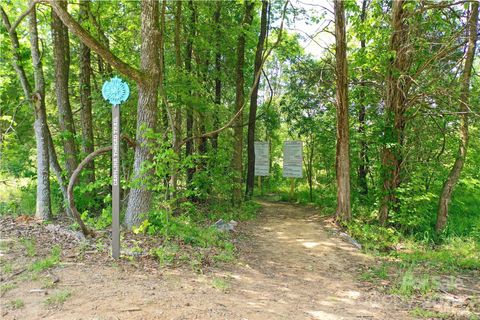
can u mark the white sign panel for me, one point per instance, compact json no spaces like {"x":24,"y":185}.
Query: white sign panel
{"x":293,"y":159}
{"x":262,"y":158}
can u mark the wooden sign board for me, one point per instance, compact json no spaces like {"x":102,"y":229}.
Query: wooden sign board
{"x":262,"y":158}
{"x":293,"y":159}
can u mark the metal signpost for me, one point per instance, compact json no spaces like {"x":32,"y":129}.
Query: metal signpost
{"x":292,"y":162}
{"x":262,"y":161}
{"x":115,"y":92}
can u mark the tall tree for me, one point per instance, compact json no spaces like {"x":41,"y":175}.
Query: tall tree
{"x":252,"y":116}
{"x":454,"y":175}
{"x":362,"y":166}
{"x":177,"y":125}
{"x":61,"y":54}
{"x":147,"y":79}
{"x":344,"y":211}
{"x":395,"y":107}
{"x":140,"y":198}
{"x":188,"y":68}
{"x":218,"y":70}
{"x":36,"y":100}
{"x":239,"y":102}
{"x":86,"y":93}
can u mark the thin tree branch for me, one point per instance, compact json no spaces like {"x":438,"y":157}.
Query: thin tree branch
{"x":74,"y":27}
{"x":22,"y":16}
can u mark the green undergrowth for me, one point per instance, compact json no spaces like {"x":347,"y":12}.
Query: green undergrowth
{"x":454,"y":254}
{"x":192,"y":238}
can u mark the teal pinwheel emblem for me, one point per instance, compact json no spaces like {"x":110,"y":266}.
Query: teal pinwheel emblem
{"x":115,"y":91}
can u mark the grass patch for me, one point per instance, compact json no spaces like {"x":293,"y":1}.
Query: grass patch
{"x":47,"y":263}
{"x":410,"y":284}
{"x":58,"y":299}
{"x":29,"y":245}
{"x":48,"y":283}
{"x":227,"y":254}
{"x":16,"y":304}
{"x":7,"y":267}
{"x":427,"y":314}
{"x":375,"y":273}
{"x":5,"y":287}
{"x":221,"y":284}
{"x":165,"y":254}
{"x":455,"y":254}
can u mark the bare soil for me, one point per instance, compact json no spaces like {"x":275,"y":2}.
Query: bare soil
{"x":291,"y":265}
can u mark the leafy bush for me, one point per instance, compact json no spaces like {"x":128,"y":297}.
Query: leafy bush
{"x":455,"y":253}
{"x":372,"y":236}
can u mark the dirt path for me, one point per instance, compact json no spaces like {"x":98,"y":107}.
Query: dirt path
{"x":290,"y":267}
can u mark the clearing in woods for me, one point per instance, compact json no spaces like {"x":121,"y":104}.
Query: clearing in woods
{"x":290,"y":266}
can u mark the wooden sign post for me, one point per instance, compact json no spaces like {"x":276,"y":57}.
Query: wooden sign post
{"x":260,"y":185}
{"x":292,"y":188}
{"x":115,"y":91}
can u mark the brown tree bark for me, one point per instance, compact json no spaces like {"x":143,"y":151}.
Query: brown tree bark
{"x":344,"y":211}
{"x":94,"y":44}
{"x":188,"y":68}
{"x":61,"y":55}
{"x":43,"y":208}
{"x":395,"y":107}
{"x":57,"y":170}
{"x":239,"y":102}
{"x":86,"y":94}
{"x":455,"y":172}
{"x":363,"y":163}
{"x":177,"y":123}
{"x":36,"y":100}
{"x":218,"y":71}
{"x":140,"y":197}
{"x":252,"y":116}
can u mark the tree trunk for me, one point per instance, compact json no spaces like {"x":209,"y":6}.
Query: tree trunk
{"x":343,"y":212}
{"x":140,"y":198}
{"x":61,"y":55}
{"x":456,"y":170}
{"x":43,"y":208}
{"x":395,"y":107}
{"x":218,"y":72}
{"x":57,"y":170}
{"x":86,"y":95}
{"x":177,"y":126}
{"x":188,"y":68}
{"x":252,"y":116}
{"x":36,"y":100}
{"x":363,"y":163}
{"x":52,"y":155}
{"x":239,"y":101}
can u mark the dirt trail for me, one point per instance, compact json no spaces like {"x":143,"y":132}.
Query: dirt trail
{"x":290,"y":267}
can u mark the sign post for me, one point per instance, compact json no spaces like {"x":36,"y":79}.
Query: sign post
{"x":115,"y":91}
{"x":292,"y":162}
{"x":262,"y":161}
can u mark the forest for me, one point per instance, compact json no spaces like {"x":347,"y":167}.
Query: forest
{"x":197,"y":191}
